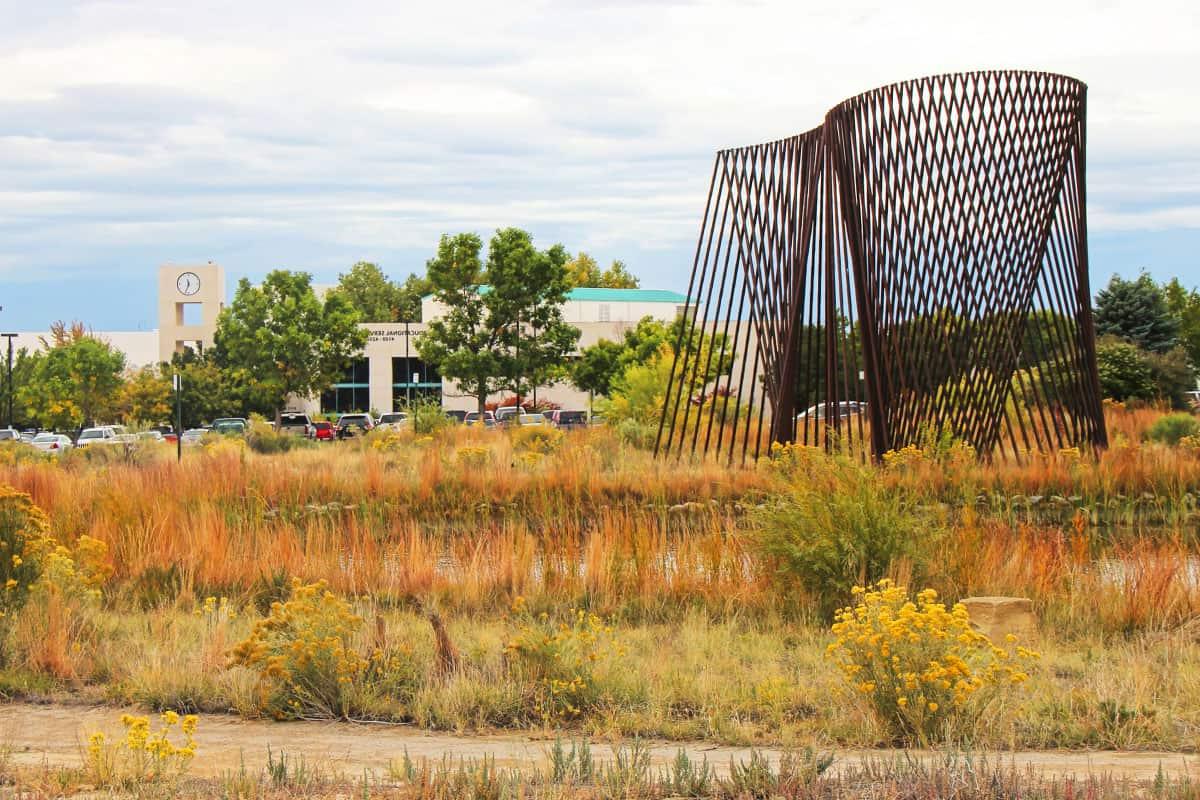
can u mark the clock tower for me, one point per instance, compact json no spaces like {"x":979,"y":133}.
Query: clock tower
{"x":190,"y":296}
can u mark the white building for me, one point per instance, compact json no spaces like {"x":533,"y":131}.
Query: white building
{"x":388,"y":373}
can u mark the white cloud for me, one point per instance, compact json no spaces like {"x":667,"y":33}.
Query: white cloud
{"x":136,"y":131}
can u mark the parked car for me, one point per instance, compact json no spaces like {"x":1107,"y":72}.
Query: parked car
{"x":353,"y":424}
{"x":842,"y":410}
{"x":122,"y":434}
{"x":194,"y":435}
{"x":472,"y":418}
{"x":168,"y":433}
{"x":28,"y":436}
{"x":568,"y":419}
{"x":231,"y":426}
{"x":394,"y":420}
{"x":506,"y":413}
{"x":457,"y":415}
{"x":101,"y":435}
{"x":53,"y":443}
{"x":154,"y":437}
{"x":295,"y":422}
{"x":528,"y":420}
{"x":10,"y":435}
{"x":323,"y":431}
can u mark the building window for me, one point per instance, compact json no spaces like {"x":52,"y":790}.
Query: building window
{"x":352,"y":392}
{"x":605,"y":313}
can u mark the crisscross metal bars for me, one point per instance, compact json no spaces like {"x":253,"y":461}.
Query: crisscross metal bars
{"x":916,"y":264}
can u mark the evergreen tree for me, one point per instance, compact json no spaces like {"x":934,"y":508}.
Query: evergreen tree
{"x":1136,"y":311}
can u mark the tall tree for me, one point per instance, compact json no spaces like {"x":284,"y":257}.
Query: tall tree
{"x":145,"y":396}
{"x":412,"y":291}
{"x":74,"y":383}
{"x":597,"y":365}
{"x":1136,"y":311}
{"x":1185,"y":307}
{"x":371,"y":293}
{"x":502,"y":329}
{"x":617,"y":276}
{"x":582,"y":270}
{"x":284,"y":341}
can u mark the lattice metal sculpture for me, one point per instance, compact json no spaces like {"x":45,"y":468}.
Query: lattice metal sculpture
{"x":916,"y":264}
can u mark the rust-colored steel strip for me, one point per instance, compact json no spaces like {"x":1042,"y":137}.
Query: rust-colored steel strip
{"x":931,"y":237}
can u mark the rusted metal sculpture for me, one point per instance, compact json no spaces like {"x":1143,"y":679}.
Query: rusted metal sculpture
{"x":916,"y":264}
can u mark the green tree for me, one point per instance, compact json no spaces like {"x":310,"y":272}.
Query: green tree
{"x":583,"y":270}
{"x":367,"y":290}
{"x":594,"y":370}
{"x":1136,"y":311}
{"x":145,"y":396}
{"x":74,"y":383}
{"x":502,"y":329}
{"x":1185,"y":307}
{"x":282,"y":341}
{"x":22,"y":374}
{"x":617,"y":276}
{"x":414,"y":288}
{"x":1124,"y":373}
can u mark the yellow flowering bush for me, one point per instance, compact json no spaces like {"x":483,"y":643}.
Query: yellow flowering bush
{"x":537,"y":439}
{"x":144,"y":754}
{"x":925,"y":672}
{"x":474,"y":456}
{"x":561,"y":663}
{"x":304,"y":655}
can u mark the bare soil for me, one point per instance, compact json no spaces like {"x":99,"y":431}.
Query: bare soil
{"x":53,"y":735}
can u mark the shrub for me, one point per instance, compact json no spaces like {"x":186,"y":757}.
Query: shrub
{"x":537,"y":439}
{"x":561,"y":664}
{"x":474,"y":456}
{"x":1171,"y":428}
{"x":835,"y":527}
{"x":23,"y":541}
{"x":639,"y":434}
{"x":304,"y":656}
{"x":427,"y":418}
{"x":924,"y":671}
{"x":143,"y":754}
{"x":263,"y":438}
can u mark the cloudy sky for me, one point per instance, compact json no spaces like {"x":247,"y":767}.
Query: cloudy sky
{"x":267,"y":134}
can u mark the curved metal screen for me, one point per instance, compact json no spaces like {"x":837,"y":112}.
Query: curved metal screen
{"x":916,"y":264}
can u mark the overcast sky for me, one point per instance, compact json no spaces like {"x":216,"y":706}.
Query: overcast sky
{"x":309,"y":136}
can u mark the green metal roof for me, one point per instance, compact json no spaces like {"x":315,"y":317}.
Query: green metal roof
{"x":614,"y":295}
{"x":626,"y":295}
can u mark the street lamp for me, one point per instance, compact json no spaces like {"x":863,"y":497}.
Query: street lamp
{"x":10,"y":337}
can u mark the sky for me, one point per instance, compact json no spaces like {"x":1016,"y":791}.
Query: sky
{"x":264,"y":135}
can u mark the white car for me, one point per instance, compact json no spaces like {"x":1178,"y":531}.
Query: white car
{"x":102,"y":435}
{"x":53,"y":443}
{"x":392,"y":420}
{"x":9,"y":435}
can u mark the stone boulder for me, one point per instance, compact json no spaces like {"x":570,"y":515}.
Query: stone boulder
{"x":996,"y":617}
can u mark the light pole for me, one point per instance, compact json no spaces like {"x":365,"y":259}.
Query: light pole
{"x":177,"y":383}
{"x":10,"y":337}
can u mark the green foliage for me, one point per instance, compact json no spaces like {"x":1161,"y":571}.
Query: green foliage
{"x":1185,"y":307}
{"x":428,"y":417}
{"x":1124,"y":371}
{"x":263,"y":438}
{"x":584,"y":271}
{"x":210,"y":391}
{"x":1136,"y":311}
{"x":638,"y":393}
{"x":145,"y":397}
{"x":596,"y":367}
{"x":24,"y":363}
{"x":74,"y":383}
{"x":282,"y":341}
{"x":1172,"y":375}
{"x":835,"y":527}
{"x":1173,"y":427}
{"x":379,"y":299}
{"x":509,"y":334}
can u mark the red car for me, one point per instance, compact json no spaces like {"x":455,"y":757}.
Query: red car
{"x":323,"y":431}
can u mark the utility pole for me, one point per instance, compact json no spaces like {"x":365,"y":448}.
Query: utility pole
{"x":9,"y":383}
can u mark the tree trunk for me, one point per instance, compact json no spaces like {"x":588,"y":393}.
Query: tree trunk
{"x":278,"y":417}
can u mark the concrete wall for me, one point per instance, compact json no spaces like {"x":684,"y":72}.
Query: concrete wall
{"x":210,"y":295}
{"x":140,"y":347}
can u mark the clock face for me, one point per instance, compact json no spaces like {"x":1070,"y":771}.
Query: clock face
{"x":188,"y":283}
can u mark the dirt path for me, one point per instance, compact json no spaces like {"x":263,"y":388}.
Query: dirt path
{"x":52,"y":735}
